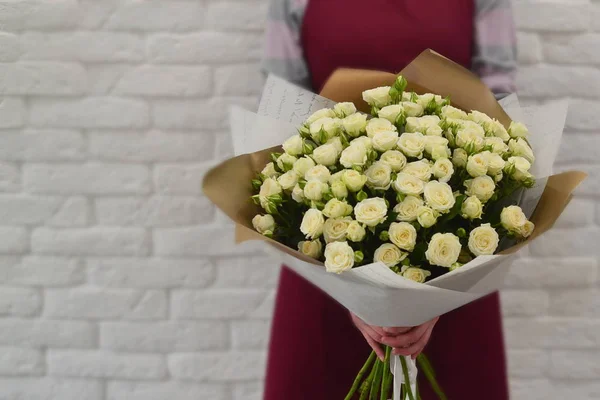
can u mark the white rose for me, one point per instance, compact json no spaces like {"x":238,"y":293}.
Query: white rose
{"x":390,"y":112}
{"x":432,"y":141}
{"x":293,"y":146}
{"x":403,"y":235}
{"x":311,"y":248}
{"x":285,"y":162}
{"x":354,"y":180}
{"x":312,"y":223}
{"x":376,"y":125}
{"x":498,"y":177}
{"x":395,"y":159}
{"x":519,"y":167}
{"x":339,"y":257}
{"x":443,"y":170}
{"x":389,"y":254}
{"x":337,"y":143}
{"x":518,"y":130}
{"x":415,"y":274}
{"x":335,"y":229}
{"x":355,"y":124}
{"x":512,"y":218}
{"x":298,"y":194}
{"x":355,"y":232}
{"x":303,"y":165}
{"x":443,"y":250}
{"x":379,"y":176}
{"x":498,"y":146}
{"x":526,"y":230}
{"x":364,"y":141}
{"x":408,"y":209}
{"x":339,"y":189}
{"x":412,"y":109}
{"x":519,"y":147}
{"x":269,"y":187}
{"x":385,"y":140}
{"x":483,"y":240}
{"x":331,"y":126}
{"x":426,"y":98}
{"x":498,"y":130}
{"x":439,"y":196}
{"x":264,"y":224}
{"x":336,"y":208}
{"x":315,"y":189}
{"x":427,"y":217}
{"x":495,"y":163}
{"x":477,"y":165}
{"x":453,"y":112}
{"x":326,"y":155}
{"x":269,"y":171}
{"x":412,"y":144}
{"x":408,"y":184}
{"x":481,"y":187}
{"x":440,"y":153}
{"x":479,"y":117}
{"x":318,"y":173}
{"x":407,"y":96}
{"x":343,"y":110}
{"x":354,"y":155}
{"x":378,"y":97}
{"x":434,"y":130}
{"x":371,"y":212}
{"x":323,"y":113}
{"x":422,"y":124}
{"x":472,"y":208}
{"x":420,"y":169}
{"x":459,"y":158}
{"x":288,"y":180}
{"x":470,"y":136}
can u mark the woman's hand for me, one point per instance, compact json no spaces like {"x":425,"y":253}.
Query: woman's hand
{"x":405,"y":341}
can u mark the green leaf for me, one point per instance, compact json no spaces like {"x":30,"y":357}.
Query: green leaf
{"x":457,"y":207}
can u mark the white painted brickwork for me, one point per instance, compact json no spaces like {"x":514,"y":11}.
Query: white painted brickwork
{"x":118,"y":280}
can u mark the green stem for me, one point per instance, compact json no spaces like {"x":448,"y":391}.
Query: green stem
{"x":406,"y":378}
{"x":427,"y":369}
{"x":375,"y":384}
{"x":387,"y":375}
{"x":360,"y":375}
{"x":367,"y":385}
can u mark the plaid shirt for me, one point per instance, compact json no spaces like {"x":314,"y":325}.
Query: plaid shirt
{"x":494,"y":56}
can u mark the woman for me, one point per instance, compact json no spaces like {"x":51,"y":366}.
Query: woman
{"x":315,"y":349}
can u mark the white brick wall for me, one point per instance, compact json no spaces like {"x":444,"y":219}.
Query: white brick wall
{"x":117,"y":277}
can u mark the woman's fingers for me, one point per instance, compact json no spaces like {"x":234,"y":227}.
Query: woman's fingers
{"x":424,"y":342}
{"x":396,"y":331}
{"x":376,"y":332}
{"x":416,"y":347}
{"x":406,"y":339}
{"x":374,"y":345}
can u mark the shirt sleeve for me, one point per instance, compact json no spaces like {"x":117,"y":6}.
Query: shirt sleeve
{"x":495,"y":49}
{"x":283,"y":55}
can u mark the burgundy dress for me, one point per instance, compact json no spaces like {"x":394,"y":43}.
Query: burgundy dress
{"x":315,"y":350}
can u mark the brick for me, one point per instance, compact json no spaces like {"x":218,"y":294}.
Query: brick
{"x":154,"y":211}
{"x":547,"y":81}
{"x":90,"y":112}
{"x":46,"y":333}
{"x":572,"y":49}
{"x":92,"y":303}
{"x":18,"y":209}
{"x":251,"y":334}
{"x":195,"y":241}
{"x":530,"y":389}
{"x":72,"y":213}
{"x":265,"y":309}
{"x":50,"y":389}
{"x":238,"y":80}
{"x":93,"y":178}
{"x":102,"y":78}
{"x":556,"y":333}
{"x":100,"y":364}
{"x":37,"y":14}
{"x":218,"y":366}
{"x":576,"y":302}
{"x":578,"y":148}
{"x":10,"y":178}
{"x":164,"y":390}
{"x":43,"y":271}
{"x":574,"y":364}
{"x":247,"y":272}
{"x":171,"y":16}
{"x":215,"y":304}
{"x":93,"y":14}
{"x":528,"y":363}
{"x":152,"y":146}
{"x":153,"y":80}
{"x":204,"y":47}
{"x":525,"y":302}
{"x":163,"y":337}
{"x":150,"y":273}
{"x":552,"y":273}
{"x":558,"y":242}
{"x":41,"y":145}
{"x":180,"y":179}
{"x":224,"y":146}
{"x":579,"y":213}
{"x":589,"y":187}
{"x":235,"y":16}
{"x":10,"y":50}
{"x":75,"y":46}
{"x":552,"y":16}
{"x":14,"y":240}
{"x":42,"y":78}
{"x":97,"y":241}
{"x":197,"y":114}
{"x":248,"y":391}
{"x":19,"y":361}
{"x":583,"y":115}
{"x":529,"y":48}
{"x":19,"y":302}
{"x":12,"y":112}
{"x":572,"y":389}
